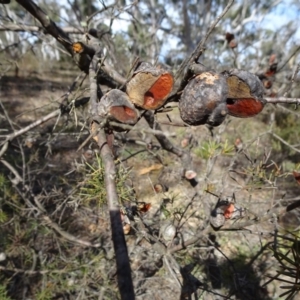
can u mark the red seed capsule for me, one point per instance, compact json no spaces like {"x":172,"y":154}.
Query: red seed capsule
{"x":245,"y":94}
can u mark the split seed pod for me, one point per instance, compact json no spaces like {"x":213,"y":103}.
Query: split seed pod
{"x":117,"y":107}
{"x":223,"y":211}
{"x":245,"y":94}
{"x":204,"y":100}
{"x":150,"y":86}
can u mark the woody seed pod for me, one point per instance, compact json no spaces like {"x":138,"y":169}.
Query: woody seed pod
{"x":204,"y":100}
{"x":150,"y":86}
{"x":245,"y":93}
{"x":117,"y":107}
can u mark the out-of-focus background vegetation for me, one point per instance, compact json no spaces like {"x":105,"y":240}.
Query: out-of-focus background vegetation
{"x":47,"y":178}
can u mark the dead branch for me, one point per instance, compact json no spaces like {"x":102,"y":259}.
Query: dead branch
{"x":3,"y":149}
{"x":64,"y":39}
{"x":93,"y":86}
{"x":106,"y":7}
{"x":77,"y":82}
{"x":47,"y":24}
{"x":29,"y":28}
{"x":123,"y":266}
{"x":292,"y":80}
{"x":42,"y":120}
{"x":63,"y":109}
{"x":189,"y":64}
{"x":125,"y":284}
{"x":283,"y":100}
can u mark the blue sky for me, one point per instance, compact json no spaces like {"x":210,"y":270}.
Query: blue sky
{"x":282,"y":14}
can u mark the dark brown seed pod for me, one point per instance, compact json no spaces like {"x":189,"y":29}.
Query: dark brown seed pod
{"x":229,"y":37}
{"x":117,"y":107}
{"x":231,"y":40}
{"x":82,"y":55}
{"x":204,"y":100}
{"x":150,"y":86}
{"x":245,"y":94}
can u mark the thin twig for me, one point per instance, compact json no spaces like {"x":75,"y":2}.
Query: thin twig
{"x":191,"y":241}
{"x":185,"y":156}
{"x":67,"y":235}
{"x":42,"y":120}
{"x":30,"y":28}
{"x":18,"y":178}
{"x":290,"y":84}
{"x":283,"y":100}
{"x":113,"y":74}
{"x":199,"y":48}
{"x":237,"y":226}
{"x":284,"y":142}
{"x":106,"y":7}
{"x":291,"y":56}
{"x":146,"y":130}
{"x":3,"y":149}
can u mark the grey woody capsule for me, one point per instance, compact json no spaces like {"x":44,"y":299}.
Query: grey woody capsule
{"x":245,"y":93}
{"x":204,"y":100}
